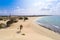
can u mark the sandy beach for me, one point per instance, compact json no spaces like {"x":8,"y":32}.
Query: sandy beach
{"x":31,"y":30}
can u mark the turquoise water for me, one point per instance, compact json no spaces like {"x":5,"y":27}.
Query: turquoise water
{"x":50,"y":20}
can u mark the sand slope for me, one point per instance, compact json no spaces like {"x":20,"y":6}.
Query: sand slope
{"x":31,"y":30}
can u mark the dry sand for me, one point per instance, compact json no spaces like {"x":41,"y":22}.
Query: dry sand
{"x":31,"y":30}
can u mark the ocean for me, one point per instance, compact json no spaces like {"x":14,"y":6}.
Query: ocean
{"x":50,"y":22}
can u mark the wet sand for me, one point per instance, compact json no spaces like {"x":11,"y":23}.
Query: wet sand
{"x":31,"y":31}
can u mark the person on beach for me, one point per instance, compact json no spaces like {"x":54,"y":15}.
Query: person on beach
{"x":21,"y":26}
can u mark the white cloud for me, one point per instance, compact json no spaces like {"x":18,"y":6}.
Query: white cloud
{"x":41,"y":7}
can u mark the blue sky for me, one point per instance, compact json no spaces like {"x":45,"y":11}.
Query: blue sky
{"x":30,"y":7}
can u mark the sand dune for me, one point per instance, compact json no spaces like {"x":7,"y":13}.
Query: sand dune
{"x":31,"y":30}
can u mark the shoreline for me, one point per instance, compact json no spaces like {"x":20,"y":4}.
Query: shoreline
{"x":49,"y":26}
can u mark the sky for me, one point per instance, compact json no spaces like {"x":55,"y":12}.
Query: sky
{"x":29,"y":7}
